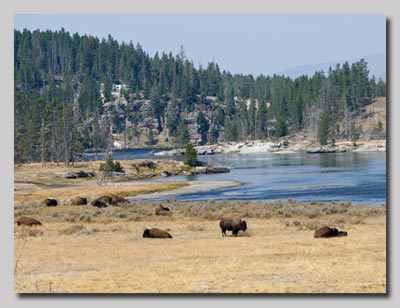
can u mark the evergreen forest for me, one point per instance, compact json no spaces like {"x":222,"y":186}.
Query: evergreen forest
{"x":77,"y":92}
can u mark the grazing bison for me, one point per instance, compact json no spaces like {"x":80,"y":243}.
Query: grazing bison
{"x":98,"y":203}
{"x":162,"y":210}
{"x":50,"y":202}
{"x":79,"y":201}
{"x":156,"y":233}
{"x":234,"y":224}
{"x":328,"y":232}
{"x":28,"y":221}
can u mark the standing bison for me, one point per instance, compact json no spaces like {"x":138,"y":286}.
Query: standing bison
{"x":28,"y":221}
{"x":234,"y":224}
{"x":156,"y":233}
{"x":162,"y":210}
{"x":50,"y":202}
{"x":328,"y":232}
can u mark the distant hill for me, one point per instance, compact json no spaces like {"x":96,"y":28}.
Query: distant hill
{"x":376,"y":66}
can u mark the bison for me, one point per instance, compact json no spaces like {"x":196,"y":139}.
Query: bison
{"x":98,"y":203}
{"x":50,"y":202}
{"x":105,"y":199}
{"x":156,"y":233}
{"x":328,"y":232}
{"x":28,"y":221}
{"x":117,"y":199}
{"x":234,"y":224}
{"x":162,"y":210}
{"x":79,"y":201}
{"x":112,"y":199}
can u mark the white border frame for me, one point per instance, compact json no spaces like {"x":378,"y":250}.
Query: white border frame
{"x":390,"y":8}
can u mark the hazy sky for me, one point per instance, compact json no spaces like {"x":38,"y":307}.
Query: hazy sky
{"x":256,"y":44}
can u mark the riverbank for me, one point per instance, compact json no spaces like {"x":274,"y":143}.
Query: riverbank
{"x":290,"y":146}
{"x":191,"y":187}
{"x":33,"y":183}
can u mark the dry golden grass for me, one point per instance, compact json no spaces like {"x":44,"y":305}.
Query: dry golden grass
{"x":277,"y":254}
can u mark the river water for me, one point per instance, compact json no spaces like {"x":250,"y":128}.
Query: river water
{"x":357,"y":177}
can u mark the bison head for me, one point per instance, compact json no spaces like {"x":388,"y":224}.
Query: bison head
{"x":146,"y":233}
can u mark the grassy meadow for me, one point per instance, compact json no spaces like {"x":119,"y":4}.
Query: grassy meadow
{"x":82,"y":249}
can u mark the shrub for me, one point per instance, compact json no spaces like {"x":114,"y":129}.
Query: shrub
{"x":111,"y":166}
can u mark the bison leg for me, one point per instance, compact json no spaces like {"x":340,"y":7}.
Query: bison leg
{"x":223,"y":232}
{"x":235,"y":232}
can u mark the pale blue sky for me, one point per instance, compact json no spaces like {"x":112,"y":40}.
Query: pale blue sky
{"x":256,"y":44}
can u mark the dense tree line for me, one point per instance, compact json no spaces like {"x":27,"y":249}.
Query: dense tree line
{"x":59,"y":109}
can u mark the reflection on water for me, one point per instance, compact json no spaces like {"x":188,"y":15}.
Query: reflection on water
{"x":356,"y":177}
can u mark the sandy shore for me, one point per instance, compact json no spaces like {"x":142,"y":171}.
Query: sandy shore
{"x":193,"y":187}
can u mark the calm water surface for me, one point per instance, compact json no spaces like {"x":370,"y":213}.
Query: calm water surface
{"x":356,"y":177}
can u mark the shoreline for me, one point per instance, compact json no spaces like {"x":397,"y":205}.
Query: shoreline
{"x":286,"y":147}
{"x":192,"y":188}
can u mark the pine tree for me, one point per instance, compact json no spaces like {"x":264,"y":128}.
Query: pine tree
{"x":190,"y":155}
{"x":355,"y":133}
{"x":323,"y":129}
{"x":261,"y":122}
{"x":182,"y":135}
{"x":281,"y":128}
{"x":203,"y":127}
{"x":252,"y":119}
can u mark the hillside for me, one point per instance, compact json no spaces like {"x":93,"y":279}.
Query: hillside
{"x":373,"y":118}
{"x":74,"y":93}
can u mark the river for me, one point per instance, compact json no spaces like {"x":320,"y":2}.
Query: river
{"x":359,"y":177}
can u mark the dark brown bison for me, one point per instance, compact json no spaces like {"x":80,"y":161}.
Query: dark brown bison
{"x":105,"y":199}
{"x":328,"y":232}
{"x":234,"y":224}
{"x":162,"y":211}
{"x":50,"y":202}
{"x":98,"y":203}
{"x":156,"y":233}
{"x":112,"y":199}
{"x":79,"y":201}
{"x":117,"y":199}
{"x":28,"y":221}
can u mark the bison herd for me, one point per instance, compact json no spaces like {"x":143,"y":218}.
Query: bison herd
{"x":234,"y":223}
{"x":102,"y":201}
